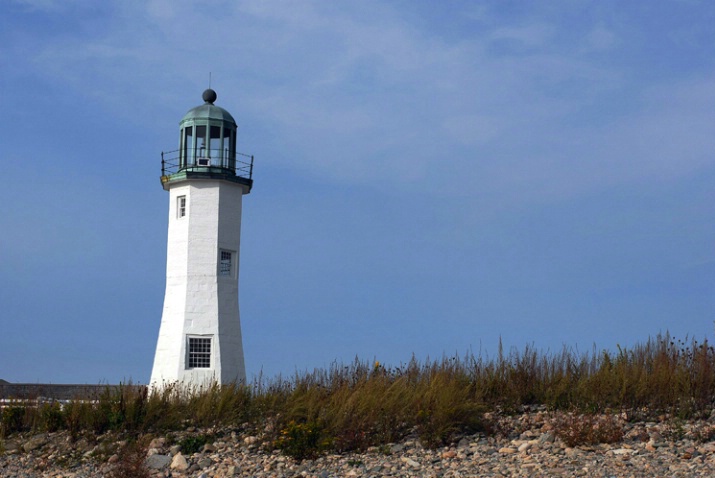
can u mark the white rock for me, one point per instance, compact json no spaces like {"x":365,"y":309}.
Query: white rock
{"x":410,"y":462}
{"x":152,"y":451}
{"x":179,"y":462}
{"x":623,"y":451}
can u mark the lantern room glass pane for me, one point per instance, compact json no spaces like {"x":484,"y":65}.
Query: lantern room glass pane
{"x":215,"y":145}
{"x":229,"y":149}
{"x":201,"y":142}
{"x":187,"y":148}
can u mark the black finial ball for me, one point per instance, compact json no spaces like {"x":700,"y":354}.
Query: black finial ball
{"x":209,"y":96}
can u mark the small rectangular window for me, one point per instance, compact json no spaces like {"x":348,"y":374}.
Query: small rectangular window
{"x":199,"y":352}
{"x":181,"y":206}
{"x":224,"y":265}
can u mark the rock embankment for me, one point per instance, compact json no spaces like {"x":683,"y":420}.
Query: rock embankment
{"x":530,"y":447}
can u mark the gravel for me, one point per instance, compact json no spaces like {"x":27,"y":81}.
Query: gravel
{"x":530,"y":448}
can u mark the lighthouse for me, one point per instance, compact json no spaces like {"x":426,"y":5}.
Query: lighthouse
{"x":200,"y":334}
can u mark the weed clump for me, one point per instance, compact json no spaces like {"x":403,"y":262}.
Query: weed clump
{"x":588,"y":429}
{"x":303,"y":441}
{"x":131,"y":462}
{"x":192,"y":444}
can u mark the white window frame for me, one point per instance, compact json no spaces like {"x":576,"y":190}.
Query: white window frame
{"x":201,"y":354}
{"x":181,"y":204}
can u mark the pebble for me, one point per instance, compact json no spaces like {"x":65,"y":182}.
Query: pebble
{"x":530,"y":448}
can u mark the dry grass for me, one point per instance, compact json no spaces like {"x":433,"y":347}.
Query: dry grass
{"x":364,"y":404}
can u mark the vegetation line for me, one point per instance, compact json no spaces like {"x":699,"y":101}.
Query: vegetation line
{"x":355,"y":406}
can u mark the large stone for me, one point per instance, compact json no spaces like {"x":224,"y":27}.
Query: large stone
{"x":34,"y":443}
{"x":179,"y":462}
{"x":397,"y":448}
{"x":158,"y":462}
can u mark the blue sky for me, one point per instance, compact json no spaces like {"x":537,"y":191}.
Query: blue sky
{"x":430,"y":177}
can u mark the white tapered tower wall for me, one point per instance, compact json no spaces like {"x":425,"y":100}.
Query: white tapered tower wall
{"x":201,"y":298}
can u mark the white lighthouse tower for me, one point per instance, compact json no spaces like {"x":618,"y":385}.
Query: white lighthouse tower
{"x":200,"y":335}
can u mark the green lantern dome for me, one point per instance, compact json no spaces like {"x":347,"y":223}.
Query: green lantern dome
{"x":208,"y":111}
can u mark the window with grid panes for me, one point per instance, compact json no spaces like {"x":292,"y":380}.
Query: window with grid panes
{"x":199,"y":352}
{"x":224,"y":265}
{"x":181,"y":206}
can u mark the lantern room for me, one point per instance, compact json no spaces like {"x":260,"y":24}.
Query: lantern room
{"x":208,"y":136}
{"x":207,"y":147}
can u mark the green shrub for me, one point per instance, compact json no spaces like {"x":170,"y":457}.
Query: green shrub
{"x":12,"y":420}
{"x":52,"y":417}
{"x":303,"y":440}
{"x":192,"y":444}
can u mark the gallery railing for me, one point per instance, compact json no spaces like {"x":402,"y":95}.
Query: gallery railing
{"x":240,"y":164}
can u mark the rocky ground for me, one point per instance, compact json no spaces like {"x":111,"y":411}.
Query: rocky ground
{"x":523,"y":446}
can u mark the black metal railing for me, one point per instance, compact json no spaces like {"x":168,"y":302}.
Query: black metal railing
{"x":239,"y":164}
